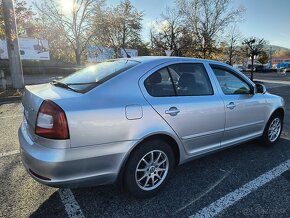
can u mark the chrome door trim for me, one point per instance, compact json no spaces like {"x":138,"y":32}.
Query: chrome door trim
{"x":244,"y":125}
{"x":202,"y":134}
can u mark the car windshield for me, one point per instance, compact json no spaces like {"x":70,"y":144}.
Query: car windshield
{"x":90,"y":77}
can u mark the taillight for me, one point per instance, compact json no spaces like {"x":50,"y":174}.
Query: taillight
{"x":51,"y":121}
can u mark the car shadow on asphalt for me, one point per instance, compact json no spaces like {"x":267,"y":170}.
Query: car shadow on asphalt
{"x":52,"y":207}
{"x":20,"y":193}
{"x":193,"y":185}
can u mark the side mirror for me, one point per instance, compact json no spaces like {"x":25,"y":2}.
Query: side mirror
{"x":260,"y":88}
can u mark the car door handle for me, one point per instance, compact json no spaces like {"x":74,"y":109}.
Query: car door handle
{"x":231,"y":105}
{"x":173,"y":111}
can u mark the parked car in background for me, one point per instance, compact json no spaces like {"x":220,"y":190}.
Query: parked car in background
{"x":133,"y":120}
{"x":239,"y":67}
{"x":257,"y":66}
{"x":283,"y":65}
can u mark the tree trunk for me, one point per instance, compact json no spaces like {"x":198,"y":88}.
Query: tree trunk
{"x":172,"y":40}
{"x":230,"y":55}
{"x":124,"y":35}
{"x":78,"y":50}
{"x":78,"y":56}
{"x":116,"y":49}
{"x":230,"y":59}
{"x":252,"y":67}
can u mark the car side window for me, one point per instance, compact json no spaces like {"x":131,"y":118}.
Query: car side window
{"x":190,"y":79}
{"x":230,"y":83}
{"x":159,"y":84}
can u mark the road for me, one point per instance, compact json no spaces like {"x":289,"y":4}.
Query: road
{"x":248,"y":180}
{"x":36,"y":79}
{"x":268,"y":77}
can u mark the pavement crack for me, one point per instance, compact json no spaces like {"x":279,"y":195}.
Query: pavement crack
{"x":209,"y":189}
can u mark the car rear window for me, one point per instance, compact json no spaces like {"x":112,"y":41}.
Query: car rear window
{"x":92,"y":76}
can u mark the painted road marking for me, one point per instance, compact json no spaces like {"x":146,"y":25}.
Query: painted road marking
{"x":283,"y":82}
{"x":228,"y":200}
{"x":8,"y":153}
{"x":72,"y":207}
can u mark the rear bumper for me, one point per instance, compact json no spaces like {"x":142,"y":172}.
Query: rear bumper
{"x":73,"y":167}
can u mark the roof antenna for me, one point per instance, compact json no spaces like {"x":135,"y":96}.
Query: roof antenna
{"x":128,"y":56}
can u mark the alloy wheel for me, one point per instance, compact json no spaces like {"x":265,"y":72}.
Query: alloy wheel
{"x":274,"y":130}
{"x":151,"y":170}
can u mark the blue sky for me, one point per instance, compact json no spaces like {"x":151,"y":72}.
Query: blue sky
{"x":268,"y":19}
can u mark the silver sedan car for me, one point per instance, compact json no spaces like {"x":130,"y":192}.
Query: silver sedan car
{"x":131,"y":121}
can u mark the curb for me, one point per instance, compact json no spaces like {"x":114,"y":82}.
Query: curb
{"x":10,"y":99}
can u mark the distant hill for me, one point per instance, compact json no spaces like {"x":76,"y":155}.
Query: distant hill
{"x":276,"y":47}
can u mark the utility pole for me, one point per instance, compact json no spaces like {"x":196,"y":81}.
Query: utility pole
{"x":15,"y":65}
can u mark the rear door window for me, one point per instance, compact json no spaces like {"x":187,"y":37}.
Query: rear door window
{"x":159,"y":84}
{"x":190,"y":79}
{"x":179,"y":80}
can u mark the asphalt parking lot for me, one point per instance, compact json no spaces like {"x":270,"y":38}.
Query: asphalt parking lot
{"x":248,"y":180}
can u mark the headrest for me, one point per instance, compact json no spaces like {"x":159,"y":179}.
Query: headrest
{"x":155,"y":78}
{"x":186,"y":80}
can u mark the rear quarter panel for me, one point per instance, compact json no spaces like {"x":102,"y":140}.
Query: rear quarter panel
{"x":99,"y":117}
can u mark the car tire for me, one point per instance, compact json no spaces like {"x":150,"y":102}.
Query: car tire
{"x":144,"y":177}
{"x":272,"y":130}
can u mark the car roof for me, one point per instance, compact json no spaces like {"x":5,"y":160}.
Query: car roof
{"x":150,"y":59}
{"x":146,"y":59}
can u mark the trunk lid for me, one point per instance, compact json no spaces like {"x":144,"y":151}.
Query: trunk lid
{"x":34,"y":96}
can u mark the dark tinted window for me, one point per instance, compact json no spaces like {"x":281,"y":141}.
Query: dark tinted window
{"x":190,"y":79}
{"x":90,"y":77}
{"x":159,"y":84}
{"x":230,"y":83}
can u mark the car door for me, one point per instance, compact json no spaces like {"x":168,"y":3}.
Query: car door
{"x":245,"y":111}
{"x":183,"y":95}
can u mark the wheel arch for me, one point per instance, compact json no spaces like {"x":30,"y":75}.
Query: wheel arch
{"x":264,"y":138}
{"x":170,"y":140}
{"x":163,"y":136}
{"x":280,"y":111}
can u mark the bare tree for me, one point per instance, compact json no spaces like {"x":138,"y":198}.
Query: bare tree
{"x":119,"y":26}
{"x":169,"y":33}
{"x":60,"y":49}
{"x":206,"y":19}
{"x":232,"y":42}
{"x":23,"y":15}
{"x":75,"y":24}
{"x":253,"y":47}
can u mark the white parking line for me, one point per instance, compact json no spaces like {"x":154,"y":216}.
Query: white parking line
{"x":8,"y":153}
{"x":283,"y":82}
{"x":72,"y":207}
{"x":228,"y":200}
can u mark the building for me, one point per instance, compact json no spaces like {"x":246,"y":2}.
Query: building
{"x":276,"y":61}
